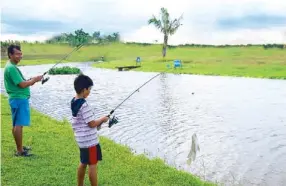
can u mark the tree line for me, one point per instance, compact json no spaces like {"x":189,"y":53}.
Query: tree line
{"x":81,"y":37}
{"x":73,"y":39}
{"x":163,"y":23}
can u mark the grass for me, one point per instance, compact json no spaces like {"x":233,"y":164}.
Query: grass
{"x":232,"y":61}
{"x":56,"y":158}
{"x":64,"y":70}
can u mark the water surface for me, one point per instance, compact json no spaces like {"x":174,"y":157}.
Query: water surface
{"x":240,"y":122}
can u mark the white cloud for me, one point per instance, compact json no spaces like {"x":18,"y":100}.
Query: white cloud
{"x":198,"y":24}
{"x":186,"y":36}
{"x":31,"y":37}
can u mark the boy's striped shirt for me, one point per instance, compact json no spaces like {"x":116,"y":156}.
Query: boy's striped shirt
{"x":84,"y":135}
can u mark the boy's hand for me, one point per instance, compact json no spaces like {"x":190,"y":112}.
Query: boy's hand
{"x":104,"y":119}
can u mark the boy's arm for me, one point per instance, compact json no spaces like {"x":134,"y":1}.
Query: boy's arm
{"x":95,"y":123}
{"x":88,"y":116}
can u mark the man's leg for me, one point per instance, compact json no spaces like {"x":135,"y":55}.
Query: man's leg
{"x":92,"y":174}
{"x":17,"y":131}
{"x":21,"y":117}
{"x":18,"y":136}
{"x":80,"y":174}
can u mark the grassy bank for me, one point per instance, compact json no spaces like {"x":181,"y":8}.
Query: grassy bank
{"x":232,"y":61}
{"x":56,"y":158}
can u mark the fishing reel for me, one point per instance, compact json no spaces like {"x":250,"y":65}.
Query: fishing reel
{"x":44,"y":80}
{"x":112,"y":121}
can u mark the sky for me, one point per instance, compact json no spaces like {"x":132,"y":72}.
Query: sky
{"x":204,"y":21}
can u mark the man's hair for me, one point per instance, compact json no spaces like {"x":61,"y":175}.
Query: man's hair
{"x":82,"y":82}
{"x":11,"y":49}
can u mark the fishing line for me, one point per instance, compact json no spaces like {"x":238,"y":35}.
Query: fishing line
{"x":44,"y":80}
{"x":114,"y":119}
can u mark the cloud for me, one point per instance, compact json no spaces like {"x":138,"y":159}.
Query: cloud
{"x":30,"y":37}
{"x":252,"y":21}
{"x":25,"y":27}
{"x":212,"y":22}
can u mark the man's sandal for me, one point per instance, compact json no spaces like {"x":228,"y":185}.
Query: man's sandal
{"x":24,"y":153}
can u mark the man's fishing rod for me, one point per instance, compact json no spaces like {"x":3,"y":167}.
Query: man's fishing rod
{"x":44,"y":80}
{"x":114,"y":119}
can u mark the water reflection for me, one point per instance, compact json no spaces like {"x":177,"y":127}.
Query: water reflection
{"x":239,"y":122}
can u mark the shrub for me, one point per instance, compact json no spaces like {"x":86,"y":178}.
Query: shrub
{"x":65,"y":70}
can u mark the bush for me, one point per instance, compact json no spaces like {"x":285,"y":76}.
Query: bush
{"x":65,"y":70}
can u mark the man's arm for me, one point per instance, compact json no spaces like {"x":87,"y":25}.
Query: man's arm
{"x":16,"y":77}
{"x":19,"y":81}
{"x":27,"y":83}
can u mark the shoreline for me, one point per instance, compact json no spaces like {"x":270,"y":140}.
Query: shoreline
{"x":94,"y":65}
{"x":253,"y":61}
{"x":119,"y":165}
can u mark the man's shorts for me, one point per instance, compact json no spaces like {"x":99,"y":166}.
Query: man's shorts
{"x":20,"y":109}
{"x":90,"y":155}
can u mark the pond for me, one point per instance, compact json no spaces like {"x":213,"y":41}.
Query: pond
{"x":240,"y":123}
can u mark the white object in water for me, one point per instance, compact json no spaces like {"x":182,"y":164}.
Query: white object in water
{"x":194,"y":149}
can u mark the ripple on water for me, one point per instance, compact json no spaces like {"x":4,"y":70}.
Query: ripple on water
{"x":240,"y":122}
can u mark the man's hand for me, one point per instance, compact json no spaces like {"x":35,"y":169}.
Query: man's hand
{"x":30,"y":82}
{"x":37,"y":78}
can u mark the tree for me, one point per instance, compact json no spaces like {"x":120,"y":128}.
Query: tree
{"x":80,"y":37}
{"x":116,"y":36}
{"x":167,"y":26}
{"x":96,"y":36}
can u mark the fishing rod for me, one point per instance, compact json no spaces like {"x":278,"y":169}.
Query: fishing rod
{"x":44,"y":80}
{"x":114,"y":119}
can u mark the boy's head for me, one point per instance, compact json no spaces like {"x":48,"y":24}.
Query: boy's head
{"x":82,"y":85}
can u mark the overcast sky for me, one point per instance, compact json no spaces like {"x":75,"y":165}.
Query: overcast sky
{"x":205,"y":21}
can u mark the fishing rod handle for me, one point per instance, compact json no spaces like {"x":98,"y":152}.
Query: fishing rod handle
{"x":110,"y":113}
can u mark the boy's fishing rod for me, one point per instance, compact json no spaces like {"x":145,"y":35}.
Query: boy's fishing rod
{"x":114,"y":119}
{"x":44,"y":80}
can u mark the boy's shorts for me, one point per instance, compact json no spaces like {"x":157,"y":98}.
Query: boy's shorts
{"x":90,"y":155}
{"x":20,"y":109}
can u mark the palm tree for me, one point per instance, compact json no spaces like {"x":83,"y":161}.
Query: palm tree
{"x":167,"y":26}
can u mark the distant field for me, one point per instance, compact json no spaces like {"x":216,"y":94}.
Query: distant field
{"x":232,"y":61}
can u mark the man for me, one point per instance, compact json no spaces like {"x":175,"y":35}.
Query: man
{"x":18,"y":89}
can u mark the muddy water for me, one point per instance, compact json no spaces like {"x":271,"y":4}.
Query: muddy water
{"x":240,"y":123}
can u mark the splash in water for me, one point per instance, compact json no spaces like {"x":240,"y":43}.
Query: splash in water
{"x":194,"y":149}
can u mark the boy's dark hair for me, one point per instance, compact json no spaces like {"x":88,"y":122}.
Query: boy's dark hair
{"x":11,"y":49}
{"x":82,"y":82}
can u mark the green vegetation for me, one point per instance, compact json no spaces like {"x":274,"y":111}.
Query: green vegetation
{"x":167,"y":26}
{"x":57,"y":156}
{"x":64,"y":70}
{"x":251,"y":61}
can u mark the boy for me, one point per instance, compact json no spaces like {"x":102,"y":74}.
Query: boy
{"x":18,"y":90}
{"x":85,"y":126}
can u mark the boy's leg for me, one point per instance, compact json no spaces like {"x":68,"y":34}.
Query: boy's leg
{"x":92,"y":174}
{"x":94,"y":156}
{"x":80,"y":174}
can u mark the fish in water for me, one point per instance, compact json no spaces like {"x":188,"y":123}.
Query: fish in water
{"x":194,"y":149}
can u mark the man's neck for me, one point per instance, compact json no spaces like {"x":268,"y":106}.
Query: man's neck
{"x":14,"y":63}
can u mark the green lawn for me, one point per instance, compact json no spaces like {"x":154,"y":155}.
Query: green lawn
{"x":57,"y":156}
{"x":232,"y":61}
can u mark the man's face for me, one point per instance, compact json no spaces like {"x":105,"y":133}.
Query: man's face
{"x":17,"y":56}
